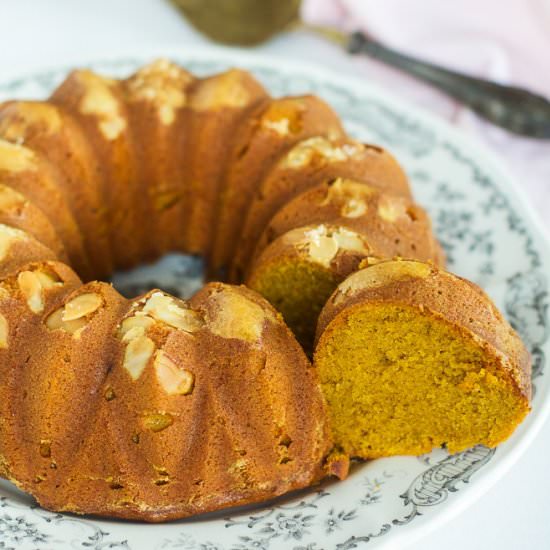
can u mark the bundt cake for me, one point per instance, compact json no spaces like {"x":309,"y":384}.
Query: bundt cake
{"x":157,"y":408}
{"x":411,"y":357}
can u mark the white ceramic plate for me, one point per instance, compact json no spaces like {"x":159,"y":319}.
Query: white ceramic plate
{"x":490,"y":236}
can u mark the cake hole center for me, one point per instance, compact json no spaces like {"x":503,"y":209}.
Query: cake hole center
{"x":178,"y":274}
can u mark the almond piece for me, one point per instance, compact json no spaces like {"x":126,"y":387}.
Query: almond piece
{"x":354,"y":208}
{"x":156,"y":422}
{"x":174,"y":313}
{"x":81,"y":306}
{"x":100,"y":102}
{"x":324,"y":244}
{"x":303,"y":153}
{"x":137,"y":354}
{"x":45,"y":448}
{"x":4,"y":332}
{"x":55,"y":322}
{"x":129,"y":324}
{"x":349,"y":240}
{"x":32,"y":284}
{"x":173,"y":379}
{"x":236,"y":316}
{"x":391,"y":208}
{"x":321,"y":247}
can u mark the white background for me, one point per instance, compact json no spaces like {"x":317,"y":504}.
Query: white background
{"x":515,"y":514}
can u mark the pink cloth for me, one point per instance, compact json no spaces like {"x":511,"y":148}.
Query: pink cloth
{"x":505,"y":40}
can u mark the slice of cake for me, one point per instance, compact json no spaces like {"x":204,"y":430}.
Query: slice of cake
{"x":412,"y":358}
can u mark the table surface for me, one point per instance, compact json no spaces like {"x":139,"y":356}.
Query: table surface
{"x":514,"y":513}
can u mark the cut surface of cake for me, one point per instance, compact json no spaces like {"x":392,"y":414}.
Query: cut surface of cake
{"x":405,"y":370}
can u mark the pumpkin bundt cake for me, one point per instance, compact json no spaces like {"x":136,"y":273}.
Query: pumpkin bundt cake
{"x":157,"y":408}
{"x":411,"y":358}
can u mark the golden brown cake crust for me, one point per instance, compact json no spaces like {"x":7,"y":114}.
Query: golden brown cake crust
{"x":18,"y":212}
{"x":266,"y":135}
{"x":18,"y":248}
{"x":157,"y":99}
{"x":97,"y":104}
{"x":54,"y":134}
{"x":64,"y":360}
{"x":392,"y":225}
{"x":152,"y":394}
{"x":428,"y":288}
{"x":219,"y":105}
{"x":35,"y":178}
{"x":306,"y":165}
{"x":25,"y":296}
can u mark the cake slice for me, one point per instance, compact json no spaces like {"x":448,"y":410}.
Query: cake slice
{"x":412,"y":358}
